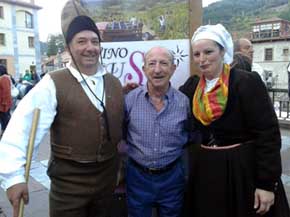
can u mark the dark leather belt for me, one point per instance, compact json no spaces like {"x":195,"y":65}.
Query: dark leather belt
{"x":154,"y":171}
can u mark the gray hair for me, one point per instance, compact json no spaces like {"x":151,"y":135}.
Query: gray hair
{"x":170,"y":53}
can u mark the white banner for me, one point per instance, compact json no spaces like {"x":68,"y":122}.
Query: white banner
{"x":125,"y":59}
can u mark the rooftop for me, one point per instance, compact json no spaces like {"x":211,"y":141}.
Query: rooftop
{"x":270,"y":20}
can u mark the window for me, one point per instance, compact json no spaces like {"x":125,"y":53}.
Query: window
{"x":256,"y":32}
{"x":276,"y":29}
{"x":2,"y":39}
{"x":276,"y":32}
{"x":1,"y":12}
{"x":269,"y":54}
{"x":3,"y":62}
{"x":276,"y":25}
{"x":256,"y":28}
{"x":265,"y":33}
{"x":256,"y":35}
{"x":285,"y":52}
{"x":28,"y":20}
{"x":266,"y":27}
{"x":31,"y":42}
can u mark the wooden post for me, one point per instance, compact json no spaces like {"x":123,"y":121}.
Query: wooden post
{"x":29,"y":153}
{"x":195,"y":20}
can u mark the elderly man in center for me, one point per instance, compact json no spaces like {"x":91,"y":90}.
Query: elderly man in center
{"x":156,"y":118}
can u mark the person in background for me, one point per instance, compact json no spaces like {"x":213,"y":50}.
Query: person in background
{"x":238,"y":170}
{"x":245,"y":46}
{"x":13,"y":92}
{"x":6,"y":101}
{"x":82,"y":106}
{"x":242,"y":61}
{"x":162,"y":23}
{"x":34,"y":77}
{"x":27,"y":76}
{"x":156,"y":122}
{"x":25,"y":83}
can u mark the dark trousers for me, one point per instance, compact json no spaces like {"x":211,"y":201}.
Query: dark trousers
{"x":4,"y":119}
{"x":81,"y":189}
{"x":147,"y":191}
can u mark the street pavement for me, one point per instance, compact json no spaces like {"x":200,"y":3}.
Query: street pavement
{"x":38,"y":187}
{"x":39,"y":182}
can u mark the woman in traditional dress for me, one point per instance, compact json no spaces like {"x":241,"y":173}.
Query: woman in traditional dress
{"x":238,"y":166}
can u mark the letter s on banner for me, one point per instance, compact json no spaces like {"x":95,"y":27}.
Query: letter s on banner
{"x":139,"y":72}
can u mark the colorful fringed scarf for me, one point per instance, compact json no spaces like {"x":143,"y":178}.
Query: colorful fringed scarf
{"x":209,"y":106}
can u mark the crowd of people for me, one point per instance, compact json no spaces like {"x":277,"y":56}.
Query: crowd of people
{"x":11,"y":92}
{"x":5,"y":97}
{"x":207,"y":149}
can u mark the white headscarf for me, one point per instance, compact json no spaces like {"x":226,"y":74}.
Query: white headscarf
{"x":219,"y":34}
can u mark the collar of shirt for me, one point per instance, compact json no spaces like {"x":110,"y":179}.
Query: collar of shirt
{"x":168,"y":95}
{"x":94,"y":84}
{"x":210,"y":84}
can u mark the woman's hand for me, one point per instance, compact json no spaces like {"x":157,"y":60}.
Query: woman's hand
{"x":263,"y":201}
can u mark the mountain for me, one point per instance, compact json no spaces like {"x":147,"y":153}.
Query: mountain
{"x":237,"y":15}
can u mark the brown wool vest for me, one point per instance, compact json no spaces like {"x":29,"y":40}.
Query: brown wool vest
{"x":79,"y":131}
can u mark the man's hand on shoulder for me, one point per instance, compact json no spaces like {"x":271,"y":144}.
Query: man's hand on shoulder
{"x":129,"y":86}
{"x":14,"y":195}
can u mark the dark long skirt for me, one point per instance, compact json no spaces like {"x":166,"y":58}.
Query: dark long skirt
{"x":223,"y":185}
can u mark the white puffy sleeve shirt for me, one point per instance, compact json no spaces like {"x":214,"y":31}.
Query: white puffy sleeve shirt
{"x":13,"y":145}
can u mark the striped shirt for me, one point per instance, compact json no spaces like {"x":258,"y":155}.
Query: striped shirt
{"x":154,"y":138}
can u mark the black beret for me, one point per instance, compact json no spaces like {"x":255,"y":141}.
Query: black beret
{"x":78,"y":24}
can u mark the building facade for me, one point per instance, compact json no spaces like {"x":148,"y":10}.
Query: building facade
{"x":271,"y":42}
{"x":19,"y":37}
{"x":58,"y":61}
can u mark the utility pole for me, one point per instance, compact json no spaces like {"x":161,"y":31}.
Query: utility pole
{"x":195,"y":20}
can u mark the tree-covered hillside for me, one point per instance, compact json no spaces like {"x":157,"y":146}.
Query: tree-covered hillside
{"x":237,"y":15}
{"x":148,"y":12}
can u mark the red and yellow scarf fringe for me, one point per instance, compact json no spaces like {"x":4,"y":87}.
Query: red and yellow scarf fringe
{"x":209,"y":106}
